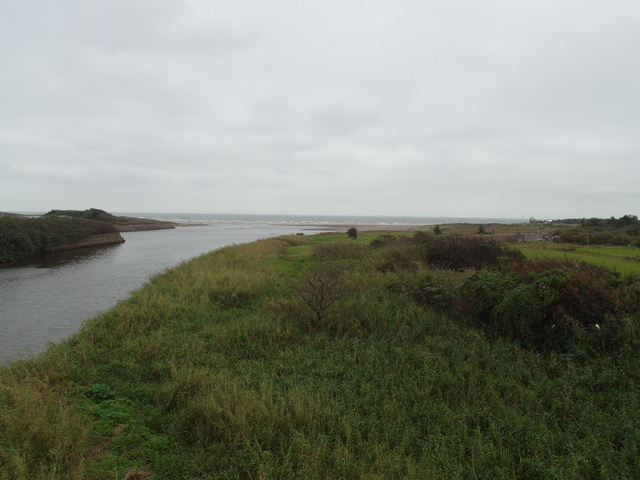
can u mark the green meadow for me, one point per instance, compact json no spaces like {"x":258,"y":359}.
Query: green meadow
{"x":328,"y":358}
{"x":622,"y":259}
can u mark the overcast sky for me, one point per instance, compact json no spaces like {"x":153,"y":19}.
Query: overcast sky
{"x":493,"y":108}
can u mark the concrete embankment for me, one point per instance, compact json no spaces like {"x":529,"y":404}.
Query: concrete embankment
{"x":92,"y":241}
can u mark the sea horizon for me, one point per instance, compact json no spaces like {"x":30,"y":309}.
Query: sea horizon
{"x":292,"y":219}
{"x":314,"y":219}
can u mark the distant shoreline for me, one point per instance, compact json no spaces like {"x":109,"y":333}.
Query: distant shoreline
{"x":452,"y":228}
{"x":366,"y":227}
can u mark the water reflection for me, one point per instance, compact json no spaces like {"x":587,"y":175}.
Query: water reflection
{"x":46,"y":299}
{"x":60,"y":259}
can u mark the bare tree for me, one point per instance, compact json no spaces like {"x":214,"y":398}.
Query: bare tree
{"x":320,"y":289}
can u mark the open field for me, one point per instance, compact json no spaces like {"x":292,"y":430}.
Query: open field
{"x":624,"y":260}
{"x":317,"y":357}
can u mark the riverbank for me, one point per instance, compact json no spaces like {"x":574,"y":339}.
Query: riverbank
{"x":23,"y":237}
{"x":26,"y":236}
{"x":97,"y":240}
{"x":47,"y":298}
{"x":143,"y":227}
{"x":224,"y":367}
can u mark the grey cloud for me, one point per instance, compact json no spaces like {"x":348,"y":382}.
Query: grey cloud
{"x":498,"y":108}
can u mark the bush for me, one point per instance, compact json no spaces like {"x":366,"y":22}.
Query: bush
{"x":524,"y":311}
{"x":383,"y":241}
{"x":546,"y":309}
{"x":318,"y":293}
{"x":449,"y":253}
{"x":439,"y":289}
{"x":483,"y":291}
{"x":586,"y":295}
{"x":629,"y":295}
{"x":339,"y":251}
{"x":460,"y":253}
{"x":403,"y":256}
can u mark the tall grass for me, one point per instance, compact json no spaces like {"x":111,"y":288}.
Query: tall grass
{"x":209,"y":372}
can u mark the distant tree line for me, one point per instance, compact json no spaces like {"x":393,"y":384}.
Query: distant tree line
{"x":24,"y":237}
{"x":613,"y":222}
{"x":583,"y":236}
{"x":602,"y":231}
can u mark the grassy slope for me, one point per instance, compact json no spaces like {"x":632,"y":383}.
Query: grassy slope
{"x":199,"y":375}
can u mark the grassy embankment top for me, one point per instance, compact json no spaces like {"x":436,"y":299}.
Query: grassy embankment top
{"x":121,"y":223}
{"x":389,"y":356}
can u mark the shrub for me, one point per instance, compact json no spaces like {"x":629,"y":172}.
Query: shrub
{"x":524,"y":311}
{"x":632,"y":230}
{"x":318,"y":293}
{"x":450,"y":253}
{"x":459,"y":253}
{"x":586,"y":295}
{"x":339,"y":251}
{"x":629,"y":295}
{"x":483,"y":291}
{"x":439,"y":289}
{"x":382,"y":241}
{"x":405,"y":256}
{"x":547,"y":309}
{"x":620,"y":333}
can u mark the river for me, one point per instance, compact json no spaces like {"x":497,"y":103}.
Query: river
{"x":47,"y":299}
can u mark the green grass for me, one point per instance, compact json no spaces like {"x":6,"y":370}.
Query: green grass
{"x":206,"y":373}
{"x":624,"y":260}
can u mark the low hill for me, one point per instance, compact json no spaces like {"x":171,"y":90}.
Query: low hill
{"x":121,"y":223}
{"x":23,"y":236}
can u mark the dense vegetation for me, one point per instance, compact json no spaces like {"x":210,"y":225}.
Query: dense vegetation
{"x":377,"y":357}
{"x":612,"y":222}
{"x":89,"y":214}
{"x":24,"y":237}
{"x":600,"y":231}
{"x":599,"y":236}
